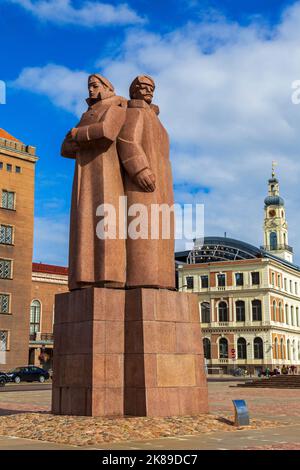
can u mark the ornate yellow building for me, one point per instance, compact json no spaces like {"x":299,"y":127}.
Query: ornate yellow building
{"x":249,"y":298}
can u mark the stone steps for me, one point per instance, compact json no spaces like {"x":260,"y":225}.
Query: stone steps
{"x":279,"y":381}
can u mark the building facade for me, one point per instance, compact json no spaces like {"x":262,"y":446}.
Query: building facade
{"x":249,"y":297}
{"x":27,"y":290}
{"x":47,"y":281}
{"x":17,"y":170}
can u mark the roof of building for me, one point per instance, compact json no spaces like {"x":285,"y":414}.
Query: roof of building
{"x":7,"y":136}
{"x":216,"y":249}
{"x":49,"y":269}
{"x":274,"y":201}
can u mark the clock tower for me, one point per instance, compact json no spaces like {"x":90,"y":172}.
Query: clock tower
{"x":275,"y":225}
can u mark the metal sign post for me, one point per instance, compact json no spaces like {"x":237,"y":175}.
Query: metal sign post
{"x":241,"y":413}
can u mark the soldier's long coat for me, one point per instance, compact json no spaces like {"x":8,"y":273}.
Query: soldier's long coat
{"x":144,"y":143}
{"x":97,"y":180}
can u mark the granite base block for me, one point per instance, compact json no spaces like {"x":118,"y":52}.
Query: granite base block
{"x":134,"y":352}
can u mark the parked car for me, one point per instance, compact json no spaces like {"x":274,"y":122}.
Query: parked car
{"x":27,"y":374}
{"x":3,"y":379}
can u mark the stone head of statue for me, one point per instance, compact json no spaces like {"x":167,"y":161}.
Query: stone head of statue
{"x":142,"y":88}
{"x":99,"y":87}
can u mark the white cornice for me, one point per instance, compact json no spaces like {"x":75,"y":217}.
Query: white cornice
{"x":50,"y":278}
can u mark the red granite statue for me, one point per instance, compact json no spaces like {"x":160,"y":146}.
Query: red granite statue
{"x":97,"y":180}
{"x":143,"y":147}
{"x":134,"y":351}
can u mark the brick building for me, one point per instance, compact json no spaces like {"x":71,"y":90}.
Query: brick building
{"x":47,"y":280}
{"x":17,"y":170}
{"x":27,"y":289}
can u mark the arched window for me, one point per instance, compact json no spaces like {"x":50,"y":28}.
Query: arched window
{"x":292,"y":315}
{"x":223,"y":348}
{"x":274,"y":310}
{"x":273,"y":240}
{"x":258,"y":348}
{"x":288,"y":347}
{"x":205,"y":312}
{"x":256,"y":310}
{"x":35,"y":316}
{"x":242,"y":348}
{"x":282,"y":349}
{"x":240,"y":310}
{"x":293,"y":351}
{"x":206,"y":348}
{"x":223,"y":311}
{"x":286,"y":314}
{"x":281,"y":319}
{"x":276,"y":349}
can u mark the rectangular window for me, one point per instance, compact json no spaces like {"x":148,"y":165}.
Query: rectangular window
{"x":190,"y":282}
{"x":8,"y":167}
{"x":285,"y":281}
{"x":278,"y":281}
{"x":1,"y":165}
{"x":3,"y":340}
{"x":5,"y":269}
{"x":204,"y":282}
{"x":291,"y":287}
{"x":239,"y":279}
{"x":6,"y":234}
{"x":296,"y":288}
{"x":221,"y":280}
{"x":8,"y":199}
{"x":18,"y":169}
{"x":255,"y":278}
{"x":4,"y":303}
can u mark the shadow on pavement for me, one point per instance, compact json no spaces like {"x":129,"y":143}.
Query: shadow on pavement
{"x":8,"y":412}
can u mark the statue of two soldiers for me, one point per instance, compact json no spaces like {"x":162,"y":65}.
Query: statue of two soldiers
{"x":121,"y":149}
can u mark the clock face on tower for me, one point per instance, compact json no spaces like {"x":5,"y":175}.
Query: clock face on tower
{"x":272,"y":213}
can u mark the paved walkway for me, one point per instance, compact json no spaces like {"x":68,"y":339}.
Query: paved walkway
{"x":283,"y":438}
{"x":239,"y":440}
{"x":16,"y":443}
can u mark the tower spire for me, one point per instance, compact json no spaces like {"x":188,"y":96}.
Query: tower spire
{"x":275,"y":225}
{"x":274,"y":164}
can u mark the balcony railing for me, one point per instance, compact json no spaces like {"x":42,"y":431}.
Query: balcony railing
{"x":278,"y":247}
{"x":38,"y":336}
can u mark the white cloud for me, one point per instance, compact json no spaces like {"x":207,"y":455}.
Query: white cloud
{"x":225,"y":96}
{"x":65,"y":88}
{"x":90,"y":14}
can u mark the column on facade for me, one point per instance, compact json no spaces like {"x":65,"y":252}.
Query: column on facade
{"x":212,"y":310}
{"x":230,"y":306}
{"x":248,"y":309}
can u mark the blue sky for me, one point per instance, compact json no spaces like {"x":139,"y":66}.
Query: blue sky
{"x":223,"y":69}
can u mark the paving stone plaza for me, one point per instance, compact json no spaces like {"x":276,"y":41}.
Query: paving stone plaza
{"x":25,"y":423}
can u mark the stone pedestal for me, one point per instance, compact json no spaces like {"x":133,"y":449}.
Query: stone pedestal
{"x":88,"y":363}
{"x":131,"y":352}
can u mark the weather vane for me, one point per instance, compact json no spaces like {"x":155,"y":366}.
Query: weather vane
{"x":273,"y":168}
